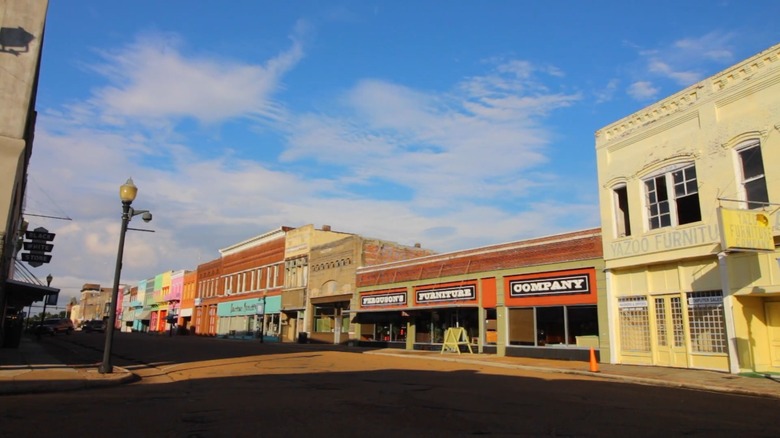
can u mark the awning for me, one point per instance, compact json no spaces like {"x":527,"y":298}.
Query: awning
{"x":144,"y":316}
{"x":331,"y":299}
{"x":186,"y":312}
{"x":20,"y":294}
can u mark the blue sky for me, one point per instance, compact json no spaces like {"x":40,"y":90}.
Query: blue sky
{"x":451,"y":124}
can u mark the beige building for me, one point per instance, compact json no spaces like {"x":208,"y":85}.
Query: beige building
{"x":93,"y":303}
{"x":689,"y":194}
{"x":21,"y":40}
{"x":295,"y":294}
{"x":319,"y":284}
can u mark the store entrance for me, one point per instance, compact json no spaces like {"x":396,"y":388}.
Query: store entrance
{"x":773,"y":326}
{"x":669,"y":332}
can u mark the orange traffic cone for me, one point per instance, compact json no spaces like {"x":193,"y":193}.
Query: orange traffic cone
{"x":594,"y":365}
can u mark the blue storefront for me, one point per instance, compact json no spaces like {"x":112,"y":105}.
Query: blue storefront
{"x":249,"y":318}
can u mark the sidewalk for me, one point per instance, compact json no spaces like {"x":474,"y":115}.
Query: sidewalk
{"x":30,"y":369}
{"x":758,"y":385}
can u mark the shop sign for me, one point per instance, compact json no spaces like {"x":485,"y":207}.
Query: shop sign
{"x":463,"y":293}
{"x":632,"y":304}
{"x":745,"y":230}
{"x":237,"y":308}
{"x":705,"y":301}
{"x":391,"y":299}
{"x":565,"y":284}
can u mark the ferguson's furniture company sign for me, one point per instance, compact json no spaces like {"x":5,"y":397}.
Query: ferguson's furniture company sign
{"x":390,"y":299}
{"x":564,"y":284}
{"x":461,"y":293}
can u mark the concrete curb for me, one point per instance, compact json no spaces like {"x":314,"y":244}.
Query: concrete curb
{"x":611,"y":376}
{"x":28,"y":383}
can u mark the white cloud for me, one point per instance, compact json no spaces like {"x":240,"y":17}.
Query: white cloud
{"x":686,"y":61}
{"x":643,"y":90}
{"x":152,"y":79}
{"x":608,"y":92}
{"x":436,"y":145}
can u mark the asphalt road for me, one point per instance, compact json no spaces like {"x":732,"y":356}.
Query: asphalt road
{"x":203,"y":387}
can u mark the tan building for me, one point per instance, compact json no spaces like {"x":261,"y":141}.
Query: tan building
{"x":332,"y":282}
{"x":295,"y":294}
{"x":689,"y":194}
{"x":21,"y":41}
{"x":93,"y":303}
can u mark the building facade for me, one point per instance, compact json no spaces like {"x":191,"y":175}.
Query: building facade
{"x":332,"y":287}
{"x":689,"y":194}
{"x":207,"y":298}
{"x":189,"y":292}
{"x":534,"y":298}
{"x":239,"y":294}
{"x":23,"y":26}
{"x":295,"y":292}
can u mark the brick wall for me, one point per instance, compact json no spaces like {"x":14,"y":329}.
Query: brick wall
{"x":580,"y":245}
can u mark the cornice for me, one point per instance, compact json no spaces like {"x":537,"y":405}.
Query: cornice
{"x":724,"y":86}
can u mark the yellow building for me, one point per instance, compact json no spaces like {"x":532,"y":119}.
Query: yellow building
{"x":689,"y":193}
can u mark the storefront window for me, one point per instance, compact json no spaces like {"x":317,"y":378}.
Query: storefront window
{"x":522,"y":327}
{"x":705,"y":314}
{"x":634,"y":324}
{"x":583,"y":322}
{"x":423,"y":325}
{"x":382,"y":326}
{"x":550,"y":328}
{"x":555,"y":325}
{"x":431,"y":326}
{"x":345,"y":324}
{"x":323,"y":319}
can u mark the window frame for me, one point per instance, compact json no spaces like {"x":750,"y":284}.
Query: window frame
{"x":621,"y":210}
{"x":668,"y":215}
{"x":740,"y":149}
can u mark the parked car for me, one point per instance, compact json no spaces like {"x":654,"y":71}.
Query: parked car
{"x":95,"y":325}
{"x":55,"y":325}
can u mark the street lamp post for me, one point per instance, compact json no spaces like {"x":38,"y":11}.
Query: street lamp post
{"x":49,"y":278}
{"x":127,"y":193}
{"x":39,"y":328}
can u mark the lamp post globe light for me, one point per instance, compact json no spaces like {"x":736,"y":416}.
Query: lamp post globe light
{"x":127,"y":194}
{"x":49,"y":278}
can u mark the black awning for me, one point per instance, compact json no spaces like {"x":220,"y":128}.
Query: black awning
{"x":19,"y":294}
{"x":328,"y":299}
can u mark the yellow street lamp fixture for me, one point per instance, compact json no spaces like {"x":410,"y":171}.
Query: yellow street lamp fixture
{"x":127,"y":194}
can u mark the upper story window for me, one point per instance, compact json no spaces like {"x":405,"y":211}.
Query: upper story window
{"x":753,"y":179}
{"x":622,"y":218}
{"x":673,"y":198}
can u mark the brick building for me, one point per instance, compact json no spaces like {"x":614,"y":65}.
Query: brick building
{"x":537,"y":297}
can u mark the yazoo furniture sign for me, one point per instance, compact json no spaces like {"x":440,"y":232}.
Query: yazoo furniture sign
{"x":565,"y":284}
{"x":391,"y":299}
{"x":462,"y":293}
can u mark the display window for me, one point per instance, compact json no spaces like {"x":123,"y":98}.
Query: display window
{"x":382,"y":327}
{"x":431,"y":325}
{"x":554,"y":326}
